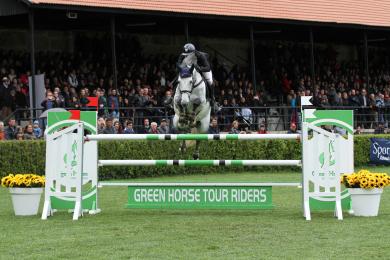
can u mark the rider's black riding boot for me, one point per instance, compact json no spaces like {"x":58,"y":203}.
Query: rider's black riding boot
{"x":213,"y":105}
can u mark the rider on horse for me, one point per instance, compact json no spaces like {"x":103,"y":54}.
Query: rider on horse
{"x":202,"y":66}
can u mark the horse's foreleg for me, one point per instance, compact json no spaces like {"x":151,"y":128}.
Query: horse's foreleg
{"x":183,"y":147}
{"x":196,"y":153}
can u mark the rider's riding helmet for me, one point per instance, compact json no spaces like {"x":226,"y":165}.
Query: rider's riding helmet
{"x":189,"y":48}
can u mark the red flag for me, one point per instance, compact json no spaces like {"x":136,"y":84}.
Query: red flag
{"x":93,"y":102}
{"x":75,"y":114}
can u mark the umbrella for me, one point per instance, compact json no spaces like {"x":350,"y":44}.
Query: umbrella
{"x":57,"y":109}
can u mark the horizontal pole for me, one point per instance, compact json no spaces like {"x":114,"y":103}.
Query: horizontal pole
{"x":210,"y":137}
{"x":198,"y":184}
{"x":199,"y":162}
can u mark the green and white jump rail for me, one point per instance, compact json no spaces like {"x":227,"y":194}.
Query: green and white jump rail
{"x":199,"y":137}
{"x":199,"y":162}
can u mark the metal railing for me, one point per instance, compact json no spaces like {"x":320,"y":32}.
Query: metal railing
{"x":275,"y":118}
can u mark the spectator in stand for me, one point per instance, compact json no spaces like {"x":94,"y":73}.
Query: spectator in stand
{"x":258,"y":102}
{"x":2,"y":133}
{"x":101,"y":125}
{"x":12,"y":100}
{"x":262,"y":129}
{"x":59,"y":99}
{"x":10,"y":131}
{"x":353,"y":99}
{"x":358,"y":130}
{"x":20,"y":100}
{"x":345,"y":99}
{"x":224,"y":115}
{"x":146,"y":126}
{"x":118,"y":127}
{"x":29,"y":133}
{"x":140,"y":102}
{"x":83,"y":101}
{"x":235,"y":128}
{"x":167,"y":102}
{"x":49,"y":101}
{"x":102,"y":102}
{"x":74,"y":102}
{"x":163,"y":128}
{"x":364,"y":108}
{"x":293,"y":129}
{"x":19,"y":134}
{"x":380,"y":129}
{"x":153,"y":128}
{"x":129,"y":128}
{"x":72,"y":79}
{"x":5,"y":98}
{"x":126,"y":112}
{"x":380,"y":106}
{"x":372,"y":112}
{"x":213,"y":128}
{"x":37,"y":130}
{"x":109,"y":129}
{"x":113,"y":104}
{"x":387,"y":105}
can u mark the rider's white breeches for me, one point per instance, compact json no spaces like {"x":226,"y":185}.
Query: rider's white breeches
{"x":208,"y":77}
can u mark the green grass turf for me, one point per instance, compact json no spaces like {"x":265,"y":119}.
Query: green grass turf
{"x":119,"y":233}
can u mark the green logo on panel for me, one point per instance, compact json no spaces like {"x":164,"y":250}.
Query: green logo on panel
{"x":57,"y":121}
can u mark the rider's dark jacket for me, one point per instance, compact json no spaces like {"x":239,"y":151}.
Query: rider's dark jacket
{"x":202,"y":60}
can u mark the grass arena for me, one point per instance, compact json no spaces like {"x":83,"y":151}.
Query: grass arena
{"x":117,"y":232}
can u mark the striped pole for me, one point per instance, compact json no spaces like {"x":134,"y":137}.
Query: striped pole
{"x":199,"y":184}
{"x":191,"y":137}
{"x":199,"y":162}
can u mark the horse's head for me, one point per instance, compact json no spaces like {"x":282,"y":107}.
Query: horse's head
{"x":186,"y":82}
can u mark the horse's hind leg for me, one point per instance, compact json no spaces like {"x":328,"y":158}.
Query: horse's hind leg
{"x":196,"y":153}
{"x":183,"y":147}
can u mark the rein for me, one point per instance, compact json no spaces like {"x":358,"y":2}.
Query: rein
{"x":193,"y":87}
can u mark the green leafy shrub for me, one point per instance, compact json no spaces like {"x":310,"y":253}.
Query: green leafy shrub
{"x":29,"y":156}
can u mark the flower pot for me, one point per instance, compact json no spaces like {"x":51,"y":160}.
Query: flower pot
{"x":26,"y":200}
{"x":365,"y":202}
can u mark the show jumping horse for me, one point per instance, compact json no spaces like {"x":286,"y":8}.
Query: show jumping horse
{"x":192,"y":109}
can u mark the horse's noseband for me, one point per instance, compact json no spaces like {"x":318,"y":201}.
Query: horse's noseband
{"x":194,"y":85}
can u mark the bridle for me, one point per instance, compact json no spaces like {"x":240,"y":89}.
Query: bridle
{"x":194,"y":85}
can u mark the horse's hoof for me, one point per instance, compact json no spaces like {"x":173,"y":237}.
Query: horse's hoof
{"x":195,"y":156}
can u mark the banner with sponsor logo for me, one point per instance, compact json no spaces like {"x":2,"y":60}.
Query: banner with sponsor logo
{"x":380,"y":151}
{"x":201,"y":196}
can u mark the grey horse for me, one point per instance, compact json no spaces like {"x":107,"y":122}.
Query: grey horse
{"x":192,"y":109}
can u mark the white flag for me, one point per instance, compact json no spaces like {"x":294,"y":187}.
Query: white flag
{"x":305,"y":101}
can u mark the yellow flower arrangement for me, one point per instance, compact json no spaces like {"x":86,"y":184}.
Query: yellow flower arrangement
{"x":366,"y":180}
{"x":23,"y":181}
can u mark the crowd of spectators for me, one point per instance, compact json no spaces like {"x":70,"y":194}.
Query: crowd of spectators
{"x":145,"y":83}
{"x":14,"y":132}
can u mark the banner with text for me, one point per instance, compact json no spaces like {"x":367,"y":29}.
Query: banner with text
{"x":380,"y":151}
{"x":199,"y":197}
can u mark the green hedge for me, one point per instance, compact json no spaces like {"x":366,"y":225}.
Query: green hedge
{"x":29,"y":156}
